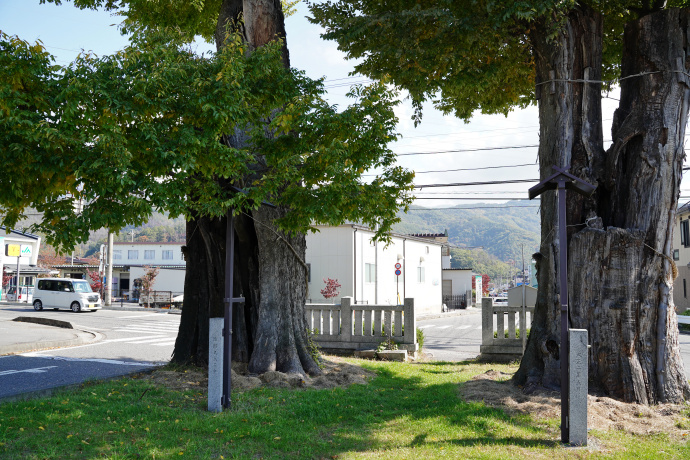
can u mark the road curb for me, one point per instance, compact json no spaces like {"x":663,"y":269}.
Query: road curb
{"x":44,"y":321}
{"x":83,"y":338}
{"x":47,"y":392}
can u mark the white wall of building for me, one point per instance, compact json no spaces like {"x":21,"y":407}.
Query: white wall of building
{"x":148,"y":254}
{"x":168,"y":279}
{"x":329,"y":255}
{"x":461,"y":280}
{"x":366,"y":270}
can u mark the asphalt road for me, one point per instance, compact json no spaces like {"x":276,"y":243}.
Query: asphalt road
{"x":128,"y":342}
{"x":456,"y":338}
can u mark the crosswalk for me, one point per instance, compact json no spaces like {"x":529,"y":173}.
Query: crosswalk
{"x":156,"y":333}
{"x":464,"y":326}
{"x":457,"y":328}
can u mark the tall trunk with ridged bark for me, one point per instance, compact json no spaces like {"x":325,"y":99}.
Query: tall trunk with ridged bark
{"x":619,"y":241}
{"x":269,"y":329}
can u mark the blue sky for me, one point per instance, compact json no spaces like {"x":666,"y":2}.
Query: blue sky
{"x":66,"y":30}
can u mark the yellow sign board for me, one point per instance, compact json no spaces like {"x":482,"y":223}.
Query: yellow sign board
{"x":12,"y":250}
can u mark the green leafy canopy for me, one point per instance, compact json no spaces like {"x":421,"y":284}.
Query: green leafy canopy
{"x":140,"y":131}
{"x":464,"y":56}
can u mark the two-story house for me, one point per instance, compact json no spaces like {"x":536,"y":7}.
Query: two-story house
{"x":375,"y":273}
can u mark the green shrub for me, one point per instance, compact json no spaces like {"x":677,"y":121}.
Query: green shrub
{"x":388,"y":344}
{"x":517,"y":333}
{"x":420,"y":338}
{"x":314,"y":350}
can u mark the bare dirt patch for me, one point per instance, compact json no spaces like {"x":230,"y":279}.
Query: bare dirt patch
{"x":336,"y":373}
{"x":495,"y":389}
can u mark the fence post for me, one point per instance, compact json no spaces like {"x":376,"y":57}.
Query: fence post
{"x":487,"y":321}
{"x":410,"y":334}
{"x":346,"y":319}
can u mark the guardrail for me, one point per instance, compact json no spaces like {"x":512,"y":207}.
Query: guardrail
{"x":347,"y":326}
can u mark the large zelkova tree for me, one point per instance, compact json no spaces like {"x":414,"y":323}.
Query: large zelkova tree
{"x":157,"y":127}
{"x":497,"y":56}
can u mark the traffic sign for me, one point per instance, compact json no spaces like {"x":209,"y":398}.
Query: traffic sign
{"x":398,"y":266}
{"x":398,"y":272}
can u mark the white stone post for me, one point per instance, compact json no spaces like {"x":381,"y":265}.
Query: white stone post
{"x":215,"y":364}
{"x":578,"y":377}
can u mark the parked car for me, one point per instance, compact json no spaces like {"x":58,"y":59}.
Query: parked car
{"x":25,"y":294}
{"x":57,"y":293}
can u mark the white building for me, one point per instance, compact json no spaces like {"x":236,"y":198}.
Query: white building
{"x":167,"y":257}
{"x":28,"y":246}
{"x":457,"y":281}
{"x":366,"y":270}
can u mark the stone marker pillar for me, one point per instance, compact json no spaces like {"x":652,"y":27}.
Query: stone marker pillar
{"x":579,"y":375}
{"x":215,"y":364}
{"x":488,"y":321}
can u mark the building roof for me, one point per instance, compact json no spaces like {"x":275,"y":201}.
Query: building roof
{"x":430,"y":235}
{"x":392,"y":234}
{"x":685,"y":208}
{"x":135,"y":243}
{"x":447,"y":269}
{"x":18,"y":233}
{"x":24,"y":269}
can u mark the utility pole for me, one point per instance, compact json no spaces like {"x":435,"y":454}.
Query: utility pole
{"x":109,"y":271}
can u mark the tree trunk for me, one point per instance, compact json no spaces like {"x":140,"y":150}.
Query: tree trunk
{"x":620,"y":242}
{"x":570,"y":135}
{"x":625,"y":273}
{"x":269,"y":329}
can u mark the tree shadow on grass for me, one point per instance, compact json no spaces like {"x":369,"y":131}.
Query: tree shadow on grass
{"x":430,"y":415}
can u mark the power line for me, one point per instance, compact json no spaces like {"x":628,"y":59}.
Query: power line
{"x":465,"y":169}
{"x":470,"y":150}
{"x":465,"y":184}
{"x":472,"y":207}
{"x":471,"y":198}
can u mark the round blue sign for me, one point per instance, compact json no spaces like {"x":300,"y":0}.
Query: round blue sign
{"x":398,"y":272}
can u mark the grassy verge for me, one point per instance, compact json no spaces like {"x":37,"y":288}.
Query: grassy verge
{"x":409,"y":411}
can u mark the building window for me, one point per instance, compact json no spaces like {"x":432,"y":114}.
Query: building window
{"x":369,"y":273}
{"x":149,"y":255}
{"x":167,"y":254}
{"x":676,"y":254}
{"x":685,"y":233}
{"x":133,"y":254}
{"x":420,"y":275}
{"x":117,"y":254}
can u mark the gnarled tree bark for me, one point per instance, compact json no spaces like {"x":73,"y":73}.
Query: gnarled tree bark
{"x":621,"y":273}
{"x":269,"y":329}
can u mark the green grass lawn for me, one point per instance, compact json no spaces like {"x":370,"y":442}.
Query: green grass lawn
{"x":409,"y":411}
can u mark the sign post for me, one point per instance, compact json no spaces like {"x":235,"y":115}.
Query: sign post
{"x":397,"y":281}
{"x":229,"y":301}
{"x":561,"y":179}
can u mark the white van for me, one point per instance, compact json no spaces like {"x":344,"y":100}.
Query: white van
{"x":65,"y":293}
{"x":25,"y":294}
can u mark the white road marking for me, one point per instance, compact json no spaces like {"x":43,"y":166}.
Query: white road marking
{"x":425,"y":326}
{"x":157,"y":339}
{"x":139,"y":316}
{"x":444,"y":327}
{"x":163,"y":344}
{"x":36,"y":370}
{"x":129,"y":339}
{"x":92,"y":360}
{"x":464,"y":326}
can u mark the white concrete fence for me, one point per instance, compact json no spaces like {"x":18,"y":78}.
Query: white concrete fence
{"x":348,"y":326}
{"x":500,"y":347}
